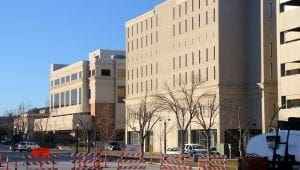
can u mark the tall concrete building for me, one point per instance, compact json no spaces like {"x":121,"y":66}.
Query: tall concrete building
{"x":230,"y":45}
{"x":80,"y":91}
{"x":288,"y":42}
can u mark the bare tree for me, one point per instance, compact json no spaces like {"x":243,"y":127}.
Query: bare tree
{"x":206,"y":117}
{"x":145,"y":113}
{"x":243,"y":129}
{"x":85,"y":126}
{"x":105,"y":123}
{"x":183,"y":102}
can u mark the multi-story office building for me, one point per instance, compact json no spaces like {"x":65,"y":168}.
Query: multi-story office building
{"x":78,"y":92}
{"x":229,"y":45}
{"x":288,"y":42}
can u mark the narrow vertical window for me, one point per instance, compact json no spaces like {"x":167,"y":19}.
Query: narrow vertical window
{"x":179,"y":61}
{"x":214,"y":52}
{"x":206,"y":73}
{"x":151,"y":69}
{"x":199,"y":4}
{"x":142,"y":74}
{"x":156,"y":84}
{"x":206,"y":2}
{"x":185,"y":7}
{"x":151,"y":22}
{"x":156,"y":67}
{"x":132,"y":30}
{"x":151,"y":38}
{"x":179,"y":28}
{"x":192,"y":23}
{"x":199,"y":56}
{"x":186,"y":60}
{"x":137,"y":72}
{"x":146,"y":70}
{"x":151,"y":85}
{"x":270,"y":10}
{"x":206,"y":54}
{"x":193,"y":77}
{"x":127,"y":32}
{"x":173,"y":13}
{"x":141,"y":42}
{"x":192,"y":5}
{"x":271,"y":71}
{"x":137,"y":87}
{"x":214,"y":15}
{"x":173,"y":80}
{"x":192,"y":58}
{"x":199,"y":21}
{"x":156,"y":36}
{"x":137,"y":43}
{"x":146,"y":40}
{"x":179,"y":10}
{"x":271,"y":49}
{"x":173,"y":30}
{"x":142,"y":87}
{"x":179,"y":79}
{"x":137,"y":28}
{"x":156,"y":21}
{"x":185,"y":26}
{"x":214,"y":72}
{"x":206,"y":17}
{"x":185,"y":78}
{"x":199,"y":75}
{"x":173,"y":63}
{"x":146,"y":24}
{"x":141,"y":26}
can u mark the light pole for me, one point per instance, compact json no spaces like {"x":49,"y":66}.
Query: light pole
{"x":165,"y":135}
{"x":77,"y":136}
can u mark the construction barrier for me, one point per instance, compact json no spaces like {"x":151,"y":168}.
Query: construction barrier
{"x":213,"y":162}
{"x":0,"y":159}
{"x":130,"y":160}
{"x":88,"y":160}
{"x":175,"y":161}
{"x":44,"y":162}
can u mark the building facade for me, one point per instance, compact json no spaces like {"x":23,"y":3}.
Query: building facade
{"x":228,"y":45}
{"x":288,"y":42}
{"x":77,"y":92}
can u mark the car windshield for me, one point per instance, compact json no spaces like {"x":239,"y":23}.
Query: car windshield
{"x":197,"y":147}
{"x":22,"y":143}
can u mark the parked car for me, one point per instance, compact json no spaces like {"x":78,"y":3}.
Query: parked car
{"x":13,"y":146}
{"x":192,"y":148}
{"x":27,"y":146}
{"x":112,"y":145}
{"x":173,"y":150}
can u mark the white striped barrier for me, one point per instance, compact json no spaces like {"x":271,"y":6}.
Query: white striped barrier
{"x":130,"y":160}
{"x":84,"y":160}
{"x":175,"y":161}
{"x":41,"y":163}
{"x":213,"y":162}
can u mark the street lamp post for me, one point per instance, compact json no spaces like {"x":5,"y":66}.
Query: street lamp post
{"x":77,"y":136}
{"x":165,"y":135}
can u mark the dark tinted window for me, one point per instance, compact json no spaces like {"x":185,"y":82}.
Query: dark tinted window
{"x":105,"y":72}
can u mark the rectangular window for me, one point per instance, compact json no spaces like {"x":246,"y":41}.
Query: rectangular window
{"x":62,"y":99}
{"x":206,"y":73}
{"x":141,"y":42}
{"x":51,"y":101}
{"x":151,"y":69}
{"x":146,"y":40}
{"x":185,"y":7}
{"x":179,"y":10}
{"x":67,"y":98}
{"x":182,"y":135}
{"x":206,"y":54}
{"x":151,"y":85}
{"x":73,"y":76}
{"x":121,"y":94}
{"x":173,"y":30}
{"x":141,"y":26}
{"x":56,"y":100}
{"x":62,"y":80}
{"x":214,"y":15}
{"x":132,"y":30}
{"x":185,"y":26}
{"x":199,"y":56}
{"x":142,"y":87}
{"x":156,"y":68}
{"x":137,"y":72}
{"x":185,"y":77}
{"x":186,"y":60}
{"x":151,"y":38}
{"x":156,"y":20}
{"x":199,"y":75}
{"x":131,"y":73}
{"x":192,"y":5}
{"x":199,"y":21}
{"x":214,"y":72}
{"x":127,"y":32}
{"x":146,"y":24}
{"x":80,"y":74}
{"x":192,"y":58}
{"x":192,"y":23}
{"x":179,"y":61}
{"x":56,"y":82}
{"x":193,"y":77}
{"x":137,"y":87}
{"x":142,"y":70}
{"x":173,"y":80}
{"x":214,"y":52}
{"x":105,"y":72}
{"x":179,"y":79}
{"x":137,"y":28}
{"x":151,"y":22}
{"x":156,"y":36}
{"x":270,"y":10}
{"x":74,"y":97}
{"x":199,"y":4}
{"x":173,"y":13}
{"x":179,"y":28}
{"x":137,"y":43}
{"x":174,"y":63}
{"x":121,"y":73}
{"x":146,"y":70}
{"x":51,"y":83}
{"x":79,"y":96}
{"x":206,"y":2}
{"x":271,"y":49}
{"x":206,"y":17}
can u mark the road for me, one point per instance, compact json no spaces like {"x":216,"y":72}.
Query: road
{"x":16,"y":159}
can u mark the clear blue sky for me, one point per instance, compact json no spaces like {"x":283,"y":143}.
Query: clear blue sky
{"x":37,"y":33}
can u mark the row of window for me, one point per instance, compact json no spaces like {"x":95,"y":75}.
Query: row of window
{"x":192,"y":57}
{"x":66,"y":98}
{"x":140,"y":72}
{"x":185,"y":6}
{"x":142,"y":42}
{"x":192,"y":22}
{"x":66,"y":79}
{"x":183,"y":78}
{"x":141,"y":87}
{"x":141,"y":26}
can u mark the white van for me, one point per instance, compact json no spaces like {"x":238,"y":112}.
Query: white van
{"x":27,"y":146}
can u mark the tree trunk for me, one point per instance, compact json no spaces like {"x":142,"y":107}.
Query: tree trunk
{"x":142,"y":137}
{"x":208,"y":137}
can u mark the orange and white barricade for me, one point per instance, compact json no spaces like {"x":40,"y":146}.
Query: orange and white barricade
{"x":130,"y":160}
{"x":213,"y":162}
{"x":175,"y":161}
{"x":88,"y":160}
